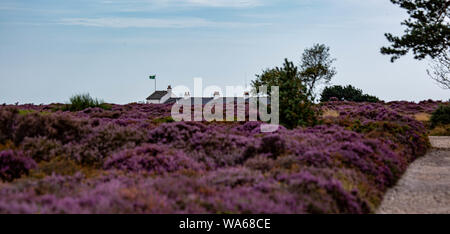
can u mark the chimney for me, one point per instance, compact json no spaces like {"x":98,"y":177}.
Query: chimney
{"x":169,"y":90}
{"x":216,"y":95}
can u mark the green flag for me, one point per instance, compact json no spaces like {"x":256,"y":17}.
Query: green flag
{"x":152,"y":77}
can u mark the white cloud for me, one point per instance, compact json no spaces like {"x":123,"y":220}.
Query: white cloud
{"x":225,"y":3}
{"x":118,"y":22}
{"x":189,"y":3}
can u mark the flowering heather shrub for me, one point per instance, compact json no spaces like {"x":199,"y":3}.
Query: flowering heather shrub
{"x":151,"y":158}
{"x":320,"y":195}
{"x":378,"y":121}
{"x":84,"y":154}
{"x":334,"y":147}
{"x":110,"y":137}
{"x":129,"y":159}
{"x":249,"y":127}
{"x":226,"y":191}
{"x":413,"y":138}
{"x":411,"y":108}
{"x":260,"y":163}
{"x":181,"y":132}
{"x":401,"y":107}
{"x":59,"y":165}
{"x":102,"y":142}
{"x":42,"y":148}
{"x":219,"y":149}
{"x":13,"y":165}
{"x":75,"y":194}
{"x":272,"y":145}
{"x":62,"y":127}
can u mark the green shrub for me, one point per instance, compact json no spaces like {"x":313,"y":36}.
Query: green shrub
{"x":84,"y":101}
{"x":441,"y":116}
{"x":347,"y":93}
{"x":26,"y":112}
{"x":167,"y":119}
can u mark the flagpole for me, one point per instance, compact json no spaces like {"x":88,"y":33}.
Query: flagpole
{"x":153,"y":77}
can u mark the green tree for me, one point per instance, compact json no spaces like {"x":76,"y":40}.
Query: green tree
{"x":427,"y":30}
{"x":269,"y":78}
{"x":346,"y":93}
{"x":295,"y":107}
{"x":316,"y":67}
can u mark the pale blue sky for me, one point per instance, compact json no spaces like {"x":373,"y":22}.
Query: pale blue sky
{"x":52,"y":49}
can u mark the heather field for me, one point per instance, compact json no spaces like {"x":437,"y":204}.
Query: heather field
{"x":134,"y":159}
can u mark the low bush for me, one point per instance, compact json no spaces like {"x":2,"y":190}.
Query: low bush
{"x":346,"y":93}
{"x":84,"y":101}
{"x":441,"y":116}
{"x":167,"y":119}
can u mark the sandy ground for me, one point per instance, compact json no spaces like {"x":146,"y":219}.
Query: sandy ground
{"x":425,"y":187}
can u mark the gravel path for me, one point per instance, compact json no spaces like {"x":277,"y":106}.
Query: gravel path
{"x":425,"y":187}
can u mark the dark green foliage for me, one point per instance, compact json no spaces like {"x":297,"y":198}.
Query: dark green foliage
{"x":441,"y":116}
{"x":316,"y":67}
{"x":296,"y":109}
{"x":167,"y":119}
{"x":427,"y":30}
{"x":346,"y":93}
{"x":269,"y":78}
{"x":84,"y":101}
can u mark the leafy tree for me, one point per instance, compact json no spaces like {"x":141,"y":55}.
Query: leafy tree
{"x":347,"y":93}
{"x":269,"y":78}
{"x":295,"y":107}
{"x":427,"y":30}
{"x":316,"y":67}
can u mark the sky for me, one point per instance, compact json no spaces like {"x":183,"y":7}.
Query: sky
{"x":52,"y":49}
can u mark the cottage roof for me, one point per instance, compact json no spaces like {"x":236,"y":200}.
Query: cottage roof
{"x":157,"y":95}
